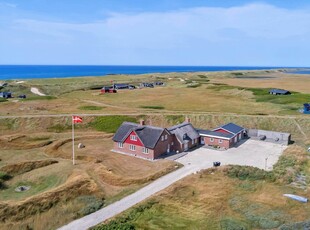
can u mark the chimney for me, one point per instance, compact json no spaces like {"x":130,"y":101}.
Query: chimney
{"x":187,"y":119}
{"x":142,"y":122}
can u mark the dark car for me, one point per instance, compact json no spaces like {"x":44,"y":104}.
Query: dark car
{"x":22,"y":96}
{"x":216,"y":163}
{"x":158,"y":83}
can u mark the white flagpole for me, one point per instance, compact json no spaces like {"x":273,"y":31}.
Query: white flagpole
{"x":73,"y":141}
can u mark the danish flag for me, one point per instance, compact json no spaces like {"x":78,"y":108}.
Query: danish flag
{"x":77,"y":119}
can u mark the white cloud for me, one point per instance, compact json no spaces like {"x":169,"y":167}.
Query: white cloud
{"x":170,"y":37}
{"x":6,"y":4}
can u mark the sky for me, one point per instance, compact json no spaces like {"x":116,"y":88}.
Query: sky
{"x":162,"y":32}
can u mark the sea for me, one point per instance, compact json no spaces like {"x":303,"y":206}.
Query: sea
{"x":18,"y":72}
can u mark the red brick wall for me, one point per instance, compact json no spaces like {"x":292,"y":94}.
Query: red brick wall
{"x":137,"y":153}
{"x":216,"y":142}
{"x":177,"y":146}
{"x":161,"y":147}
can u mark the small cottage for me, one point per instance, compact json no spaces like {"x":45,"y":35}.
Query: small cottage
{"x":225,"y":136}
{"x":279,"y":92}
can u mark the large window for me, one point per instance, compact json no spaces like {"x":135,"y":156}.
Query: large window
{"x":120,"y":145}
{"x":145,"y":150}
{"x":132,"y":147}
{"x":133,"y":137}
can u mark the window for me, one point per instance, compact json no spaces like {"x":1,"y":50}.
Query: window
{"x":145,"y":150}
{"x":172,"y":143}
{"x":211,"y":139}
{"x":166,"y":137}
{"x":132,"y":147}
{"x":133,"y":137}
{"x":120,"y":145}
{"x":193,"y":142}
{"x":220,"y":141}
{"x":162,"y":138}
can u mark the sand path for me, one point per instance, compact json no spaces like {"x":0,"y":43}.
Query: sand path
{"x":36,"y":91}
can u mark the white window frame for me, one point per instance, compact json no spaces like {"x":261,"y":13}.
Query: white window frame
{"x":133,"y":137}
{"x":211,"y":139}
{"x":220,"y":141}
{"x":193,"y":141}
{"x":145,"y":150}
{"x":132,"y":147}
{"x":120,"y":145}
{"x":166,"y":137}
{"x":172,"y":143}
{"x":162,"y":138}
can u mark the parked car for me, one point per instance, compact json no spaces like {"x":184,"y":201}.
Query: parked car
{"x":216,"y":163}
{"x":158,"y":83}
{"x":22,"y":96}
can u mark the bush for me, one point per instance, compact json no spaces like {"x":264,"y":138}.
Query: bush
{"x":124,"y":222}
{"x":58,"y":128}
{"x":232,"y":224}
{"x":4,"y":176}
{"x":152,"y":107}
{"x":110,"y":124}
{"x":296,"y":226}
{"x":248,"y":173}
{"x":92,"y":203}
{"x":40,"y":98}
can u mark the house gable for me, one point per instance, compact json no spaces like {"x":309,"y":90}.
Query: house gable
{"x":220,"y":130}
{"x":137,"y":142}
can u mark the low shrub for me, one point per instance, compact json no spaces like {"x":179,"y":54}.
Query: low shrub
{"x":92,"y":204}
{"x":110,"y":124}
{"x":233,"y":224}
{"x":152,"y":107}
{"x":124,"y":222}
{"x":296,"y":226}
{"x":40,"y":98}
{"x":193,"y":85}
{"x":4,"y":176}
{"x":248,"y":173}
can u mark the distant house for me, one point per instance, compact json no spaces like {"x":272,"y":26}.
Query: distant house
{"x":145,"y":84}
{"x":279,"y":92}
{"x":306,"y":109}
{"x":121,"y":86}
{"x":184,"y":136}
{"x":225,"y":136}
{"x":5,"y":94}
{"x":142,"y":140}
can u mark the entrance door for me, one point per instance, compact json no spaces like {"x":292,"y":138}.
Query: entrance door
{"x":168,"y":149}
{"x":202,"y":140}
{"x":185,"y":146}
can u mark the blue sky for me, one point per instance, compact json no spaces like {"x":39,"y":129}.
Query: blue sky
{"x":163,"y":32}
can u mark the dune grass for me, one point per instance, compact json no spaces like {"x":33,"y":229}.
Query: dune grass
{"x":152,"y":107}
{"x":90,"y":107}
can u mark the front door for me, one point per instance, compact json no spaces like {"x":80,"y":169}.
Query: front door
{"x":168,"y":149}
{"x":185,"y":146}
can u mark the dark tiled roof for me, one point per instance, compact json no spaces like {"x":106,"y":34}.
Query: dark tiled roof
{"x":149,"y":135}
{"x":279,"y":91}
{"x":231,"y":127}
{"x":216,"y":134}
{"x":184,"y":132}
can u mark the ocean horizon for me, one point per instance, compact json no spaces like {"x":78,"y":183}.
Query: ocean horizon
{"x":23,"y":72}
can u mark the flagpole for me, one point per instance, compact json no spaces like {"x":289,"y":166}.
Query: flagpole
{"x":73,"y":141}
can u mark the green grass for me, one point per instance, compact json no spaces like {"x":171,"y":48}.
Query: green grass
{"x":3,"y":99}
{"x":91,"y":204}
{"x":4,"y":176}
{"x":39,"y":186}
{"x":90,"y":107}
{"x":110,"y":124}
{"x":152,"y":107}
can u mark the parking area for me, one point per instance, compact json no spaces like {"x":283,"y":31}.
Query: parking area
{"x":248,"y":152}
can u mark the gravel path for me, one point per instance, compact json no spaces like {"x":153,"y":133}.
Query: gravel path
{"x":129,"y":201}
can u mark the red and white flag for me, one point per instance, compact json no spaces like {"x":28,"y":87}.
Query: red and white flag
{"x":77,"y":119}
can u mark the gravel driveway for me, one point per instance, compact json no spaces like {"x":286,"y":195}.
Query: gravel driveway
{"x":249,"y":152}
